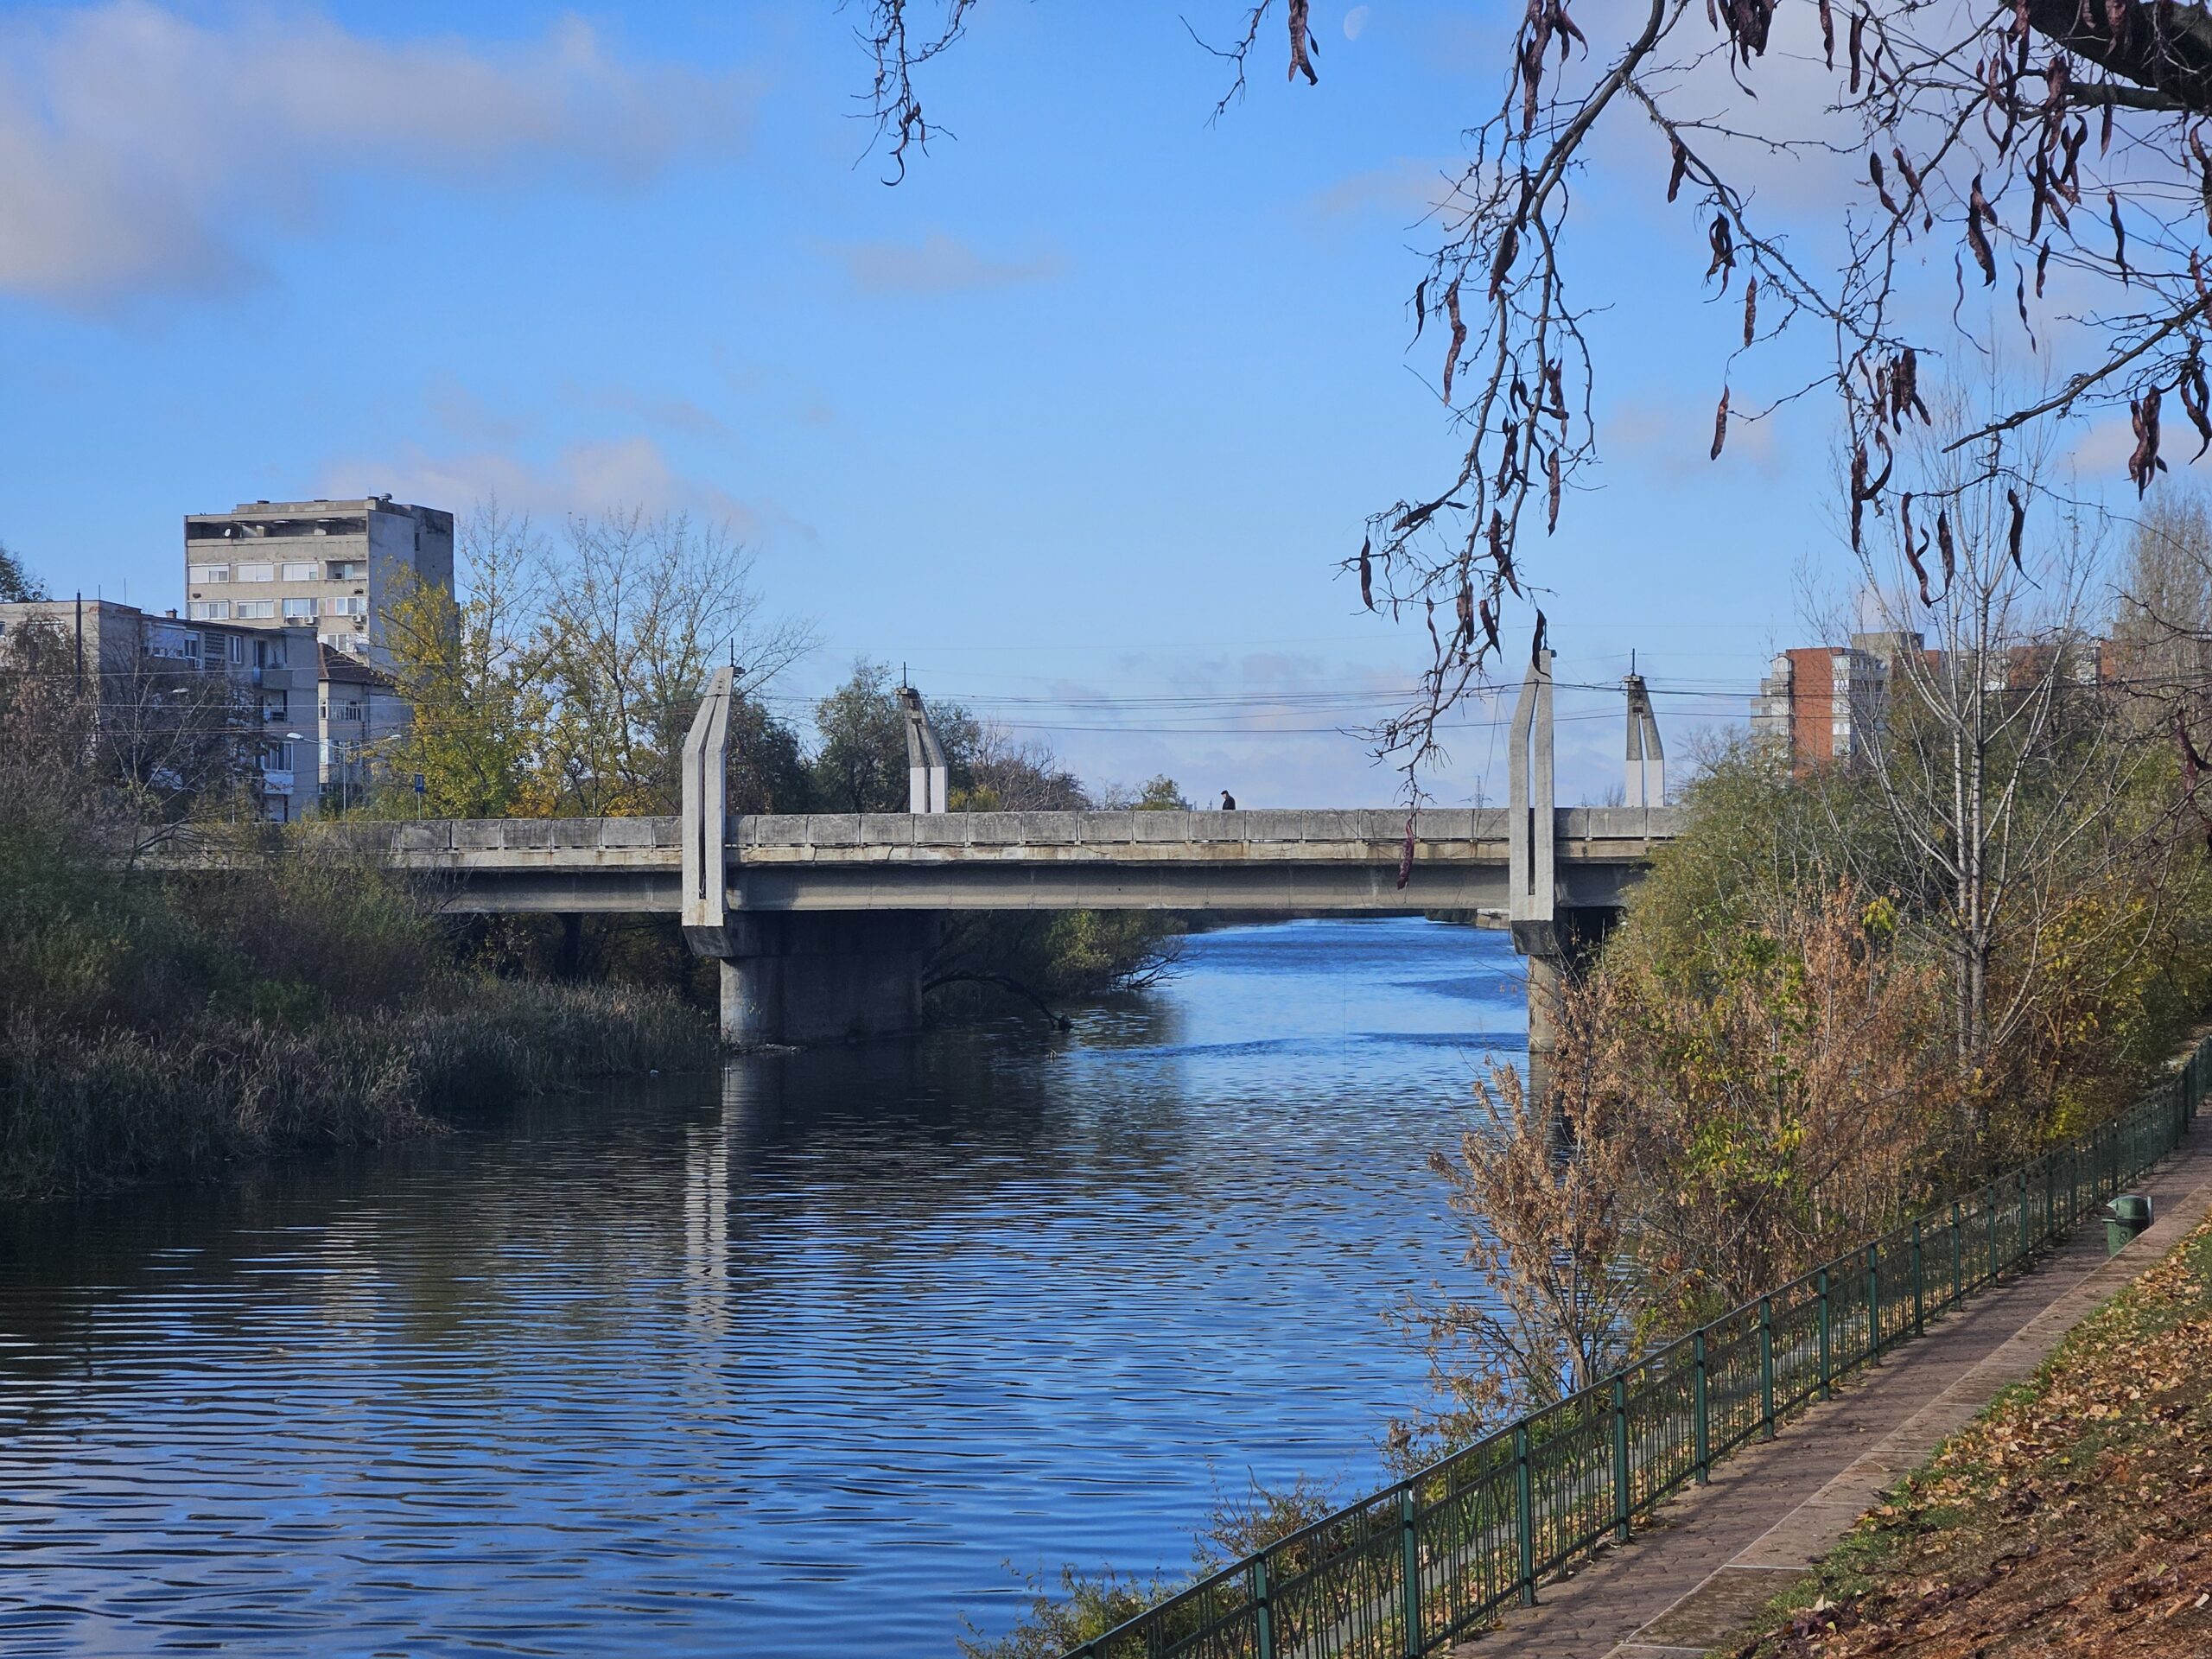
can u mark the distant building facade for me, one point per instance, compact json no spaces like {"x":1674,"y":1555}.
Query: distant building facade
{"x":1820,"y":701}
{"x":333,"y":567}
{"x":296,"y":724}
{"x":1824,"y":704}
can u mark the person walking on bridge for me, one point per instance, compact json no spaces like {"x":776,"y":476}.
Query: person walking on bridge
{"x":1228,"y":802}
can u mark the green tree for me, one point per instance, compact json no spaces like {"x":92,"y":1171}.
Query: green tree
{"x":16,"y":581}
{"x":1162,"y":794}
{"x":473,"y":670}
{"x":861,"y":764}
{"x":639,"y":612}
{"x":767,"y":766}
{"x":565,"y":683}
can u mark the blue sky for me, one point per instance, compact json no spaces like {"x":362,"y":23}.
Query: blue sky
{"x":1086,"y":409}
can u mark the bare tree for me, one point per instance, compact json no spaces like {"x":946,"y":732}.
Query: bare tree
{"x":2000,"y":769}
{"x":137,"y":743}
{"x":639,"y":612}
{"x":1996,"y":147}
{"x":2162,"y":616}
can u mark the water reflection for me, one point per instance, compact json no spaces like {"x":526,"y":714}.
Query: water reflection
{"x":797,"y":1359}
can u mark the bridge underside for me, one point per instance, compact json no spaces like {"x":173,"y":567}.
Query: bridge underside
{"x":1282,"y":888}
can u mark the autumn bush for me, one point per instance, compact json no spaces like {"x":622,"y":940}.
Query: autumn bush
{"x":162,"y":1026}
{"x":1762,"y":1068}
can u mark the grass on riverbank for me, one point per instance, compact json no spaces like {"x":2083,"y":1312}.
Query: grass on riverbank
{"x":91,"y":1111}
{"x":155,"y":1026}
{"x":2074,"y":1516}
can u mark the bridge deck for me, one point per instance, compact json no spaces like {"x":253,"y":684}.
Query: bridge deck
{"x":1287,"y":861}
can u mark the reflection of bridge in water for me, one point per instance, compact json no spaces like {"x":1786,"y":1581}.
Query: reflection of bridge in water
{"x":822,"y":922}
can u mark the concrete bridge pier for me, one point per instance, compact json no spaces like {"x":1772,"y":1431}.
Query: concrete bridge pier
{"x":800,"y":977}
{"x":1560,"y":940}
{"x":824,"y":977}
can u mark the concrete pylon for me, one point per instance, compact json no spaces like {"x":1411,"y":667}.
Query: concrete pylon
{"x":1645,"y":782}
{"x":706,"y":819}
{"x":928,"y":779}
{"x":1532,"y":905}
{"x":1532,"y":902}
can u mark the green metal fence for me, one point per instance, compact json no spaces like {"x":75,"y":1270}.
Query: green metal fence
{"x":1413,"y":1569}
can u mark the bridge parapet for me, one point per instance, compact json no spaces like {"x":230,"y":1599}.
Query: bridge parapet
{"x":1585,"y":835}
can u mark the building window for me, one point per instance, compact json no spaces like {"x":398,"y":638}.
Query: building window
{"x":348,"y":570}
{"x":302,"y":573}
{"x":256,"y":573}
{"x":354,"y":606}
{"x":299,"y":607}
{"x":238,"y":649}
{"x":209,"y":610}
{"x":246,"y":610}
{"x":205,"y":574}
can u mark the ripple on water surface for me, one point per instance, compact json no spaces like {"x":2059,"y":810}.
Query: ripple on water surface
{"x":801,"y":1359}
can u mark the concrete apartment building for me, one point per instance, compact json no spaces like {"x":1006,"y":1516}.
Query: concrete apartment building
{"x":335,"y":567}
{"x":1821,"y":700}
{"x":306,"y":719}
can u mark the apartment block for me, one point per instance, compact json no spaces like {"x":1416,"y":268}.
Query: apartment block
{"x":302,"y":722}
{"x":1822,"y":701}
{"x":334,"y":566}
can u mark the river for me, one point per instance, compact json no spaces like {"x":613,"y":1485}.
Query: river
{"x":820,"y":1356}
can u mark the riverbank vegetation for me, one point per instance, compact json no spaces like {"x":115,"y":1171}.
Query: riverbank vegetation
{"x":160,"y":1025}
{"x":2074,"y":1515}
{"x":1853,"y":986}
{"x":157,"y":1024}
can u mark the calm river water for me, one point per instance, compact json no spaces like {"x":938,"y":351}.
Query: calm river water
{"x":815,"y":1358}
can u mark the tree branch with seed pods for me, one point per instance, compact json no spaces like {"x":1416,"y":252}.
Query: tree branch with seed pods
{"x":2055,"y":148}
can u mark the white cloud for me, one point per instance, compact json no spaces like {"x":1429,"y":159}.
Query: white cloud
{"x":2101,"y":452}
{"x":940,"y":263}
{"x":585,"y":477}
{"x":1408,"y":188}
{"x":142,"y":151}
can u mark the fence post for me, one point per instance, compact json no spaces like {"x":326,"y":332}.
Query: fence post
{"x":1991,"y":1200}
{"x":1958,"y":1287}
{"x":1701,"y":1437}
{"x":1623,"y":1494}
{"x":1263,"y":1612}
{"x":1827,"y":1373}
{"x":1919,"y":1293}
{"x":2021,"y":1180}
{"x":1873,"y":1303}
{"x":2049,"y":1197}
{"x":1525,"y":1507}
{"x":1766,"y":1364}
{"x":1409,"y":1549}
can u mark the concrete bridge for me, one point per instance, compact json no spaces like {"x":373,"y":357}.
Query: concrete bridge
{"x":1288,"y":862}
{"x":823,"y":923}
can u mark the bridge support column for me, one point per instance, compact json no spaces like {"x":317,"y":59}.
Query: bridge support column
{"x":1558,"y":957}
{"x":824,"y":977}
{"x":793,"y":977}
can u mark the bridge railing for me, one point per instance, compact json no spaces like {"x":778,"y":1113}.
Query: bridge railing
{"x":1415,"y":1567}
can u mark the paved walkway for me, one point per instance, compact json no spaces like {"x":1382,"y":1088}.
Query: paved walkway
{"x":1712,"y":1557}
